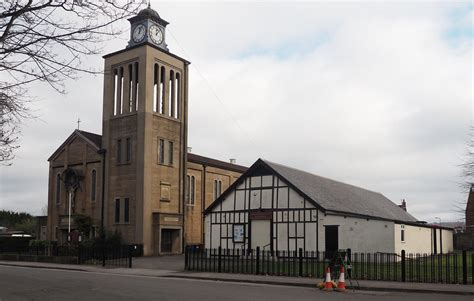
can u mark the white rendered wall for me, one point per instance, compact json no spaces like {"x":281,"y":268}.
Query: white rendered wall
{"x":448,"y":244}
{"x":417,"y":239}
{"x":359,"y":234}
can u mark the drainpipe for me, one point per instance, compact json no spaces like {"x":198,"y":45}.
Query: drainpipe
{"x":102,"y":152}
{"x":203,"y":203}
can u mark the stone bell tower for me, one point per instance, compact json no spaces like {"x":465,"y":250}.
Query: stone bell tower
{"x":145,"y":118}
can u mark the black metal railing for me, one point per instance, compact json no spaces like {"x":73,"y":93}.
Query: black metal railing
{"x":453,"y":268}
{"x":110,"y":256}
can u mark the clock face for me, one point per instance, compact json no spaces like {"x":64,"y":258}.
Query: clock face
{"x":156,"y":34}
{"x":139,"y":33}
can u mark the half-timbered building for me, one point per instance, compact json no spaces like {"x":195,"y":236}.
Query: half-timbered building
{"x":276,"y":207}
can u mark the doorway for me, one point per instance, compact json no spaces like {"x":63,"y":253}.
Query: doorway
{"x":260,"y":235}
{"x":170,"y":241}
{"x":331,"y":236}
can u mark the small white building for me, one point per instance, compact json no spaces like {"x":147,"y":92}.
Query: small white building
{"x":276,"y":207}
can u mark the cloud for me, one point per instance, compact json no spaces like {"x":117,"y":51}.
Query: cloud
{"x":377,"y":95}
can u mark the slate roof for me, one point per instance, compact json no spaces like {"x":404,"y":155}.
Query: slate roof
{"x":336,"y":196}
{"x":215,"y":163}
{"x":95,"y":138}
{"x":91,"y":138}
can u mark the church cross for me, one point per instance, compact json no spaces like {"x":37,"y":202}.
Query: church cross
{"x":78,"y":122}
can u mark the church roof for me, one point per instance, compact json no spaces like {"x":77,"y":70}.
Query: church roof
{"x":93,"y":139}
{"x":330,"y":195}
{"x":215,"y":163}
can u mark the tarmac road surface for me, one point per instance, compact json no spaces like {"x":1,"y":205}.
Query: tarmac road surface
{"x":22,"y":283}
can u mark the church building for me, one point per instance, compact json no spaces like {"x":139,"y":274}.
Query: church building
{"x":138,"y":177}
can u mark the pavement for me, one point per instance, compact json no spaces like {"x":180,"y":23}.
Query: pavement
{"x":174,"y":271}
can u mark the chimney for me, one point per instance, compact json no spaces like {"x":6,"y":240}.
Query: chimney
{"x":190,"y":149}
{"x":403,"y":205}
{"x":232,"y":161}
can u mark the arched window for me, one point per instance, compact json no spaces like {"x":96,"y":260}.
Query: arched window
{"x":190,"y":190}
{"x":93,"y":185}
{"x":156,"y":100}
{"x":217,"y":188}
{"x":58,"y":189}
{"x":162,"y":90}
{"x":130,"y":88}
{"x":188,"y":183}
{"x":177,"y":95}
{"x":120,"y":96}
{"x":171,"y":107}
{"x":115,"y":92}
{"x":136,"y":87}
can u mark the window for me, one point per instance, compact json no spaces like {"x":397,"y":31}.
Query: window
{"x":188,"y":182}
{"x":217,"y":188}
{"x":93,"y":185}
{"x":161,"y":152}
{"x":176,"y":96}
{"x":193,"y":184}
{"x":190,"y":190}
{"x":402,"y":233}
{"x":56,"y":233}
{"x":126,"y":210}
{"x":129,"y":150}
{"x":119,"y":151}
{"x":156,"y":100}
{"x":170,"y":152}
{"x":136,"y":86}
{"x":58,"y":189}
{"x":171,"y":95}
{"x":117,"y":211}
{"x":162,"y":90}
{"x":130,"y":88}
{"x":115,"y":92}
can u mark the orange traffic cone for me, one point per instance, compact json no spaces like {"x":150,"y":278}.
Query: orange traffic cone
{"x":341,"y":285}
{"x":328,"y":283}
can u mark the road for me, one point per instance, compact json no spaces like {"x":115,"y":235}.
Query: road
{"x":19,"y":283}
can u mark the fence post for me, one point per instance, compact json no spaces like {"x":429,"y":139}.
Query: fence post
{"x":403,"y":267}
{"x":79,"y":253}
{"x":219,"y":257}
{"x":129,"y":256}
{"x":186,"y":258}
{"x":300,"y":262}
{"x":464,"y":267}
{"x":257,"y":262}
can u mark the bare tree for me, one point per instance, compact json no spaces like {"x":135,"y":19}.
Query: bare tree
{"x":47,"y":41}
{"x":468,"y":163}
{"x":467,"y":175}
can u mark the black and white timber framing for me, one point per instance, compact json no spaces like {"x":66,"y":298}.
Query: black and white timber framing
{"x":283,"y":209}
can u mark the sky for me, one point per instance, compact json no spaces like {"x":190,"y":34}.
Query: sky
{"x":378,"y":95}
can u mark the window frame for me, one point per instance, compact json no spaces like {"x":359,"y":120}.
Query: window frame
{"x":192,"y":197}
{"x":117,"y":211}
{"x":170,"y":152}
{"x":402,"y":234}
{"x":128,"y":150}
{"x":126,"y":210}
{"x":161,"y":151}
{"x":93,"y":192}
